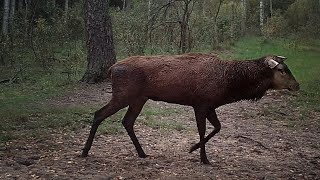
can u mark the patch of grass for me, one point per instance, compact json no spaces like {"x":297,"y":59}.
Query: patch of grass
{"x":23,"y":114}
{"x":163,"y":124}
{"x":155,"y":117}
{"x":150,"y":116}
{"x":37,"y":122}
{"x":158,"y":111}
{"x":113,"y":125}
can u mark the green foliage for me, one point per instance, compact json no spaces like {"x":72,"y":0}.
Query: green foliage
{"x":130,"y":31}
{"x":113,"y":125}
{"x":159,"y":118}
{"x":302,"y":17}
{"x":276,"y":26}
{"x":154,"y":117}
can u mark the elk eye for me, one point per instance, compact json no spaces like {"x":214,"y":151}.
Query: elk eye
{"x":282,"y":71}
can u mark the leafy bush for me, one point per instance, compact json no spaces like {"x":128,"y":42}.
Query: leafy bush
{"x":276,"y":26}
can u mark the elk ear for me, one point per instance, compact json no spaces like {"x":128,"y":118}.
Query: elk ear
{"x":272,"y":63}
{"x":281,"y":58}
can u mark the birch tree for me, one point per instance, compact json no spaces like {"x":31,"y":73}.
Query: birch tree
{"x":66,"y":7}
{"x":244,"y":16}
{"x":261,"y":13}
{"x":5,"y":19}
{"x":271,"y":8}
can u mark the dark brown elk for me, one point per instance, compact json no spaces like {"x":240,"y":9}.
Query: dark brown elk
{"x":198,"y":80}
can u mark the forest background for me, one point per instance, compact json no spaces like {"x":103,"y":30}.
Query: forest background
{"x":43,"y":51}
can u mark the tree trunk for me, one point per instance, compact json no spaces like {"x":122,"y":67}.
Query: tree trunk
{"x":244,"y":16}
{"x":216,"y":40}
{"x":184,"y":26}
{"x":11,"y":14}
{"x":127,"y":5}
{"x":201,"y":7}
{"x":66,"y":7}
{"x":20,"y":5}
{"x":261,"y":13}
{"x":183,"y":37}
{"x":5,"y":19}
{"x":233,"y":23}
{"x":271,"y":9}
{"x":100,"y":47}
{"x":149,"y":9}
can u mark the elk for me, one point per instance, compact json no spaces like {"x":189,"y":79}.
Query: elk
{"x":201,"y":81}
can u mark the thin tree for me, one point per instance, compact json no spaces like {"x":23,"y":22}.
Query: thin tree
{"x":271,"y":8}
{"x":244,"y":16}
{"x":5,"y":19}
{"x":215,"y":27}
{"x":20,"y":5}
{"x":100,"y":47}
{"x":66,"y":7}
{"x":184,"y":36}
{"x":11,"y":14}
{"x":261,"y":13}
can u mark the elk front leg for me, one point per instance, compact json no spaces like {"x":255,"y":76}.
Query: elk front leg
{"x":213,"y":119}
{"x":201,"y":114}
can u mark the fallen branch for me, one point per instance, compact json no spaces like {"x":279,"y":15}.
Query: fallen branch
{"x":259,"y":143}
{"x":9,"y":80}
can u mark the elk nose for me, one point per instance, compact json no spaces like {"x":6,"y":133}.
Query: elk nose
{"x":295,"y":87}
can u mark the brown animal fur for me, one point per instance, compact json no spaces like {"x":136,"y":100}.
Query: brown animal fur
{"x":198,"y":80}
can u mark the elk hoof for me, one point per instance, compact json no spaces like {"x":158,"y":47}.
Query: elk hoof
{"x":205,"y":161}
{"x":143,"y":155}
{"x":84,"y":154}
{"x":194,"y":147}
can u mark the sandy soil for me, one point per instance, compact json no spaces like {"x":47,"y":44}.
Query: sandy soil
{"x":257,"y":141}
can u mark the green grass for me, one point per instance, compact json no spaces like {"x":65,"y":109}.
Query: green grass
{"x":150,"y":116}
{"x":303,"y":60}
{"x":155,"y":117}
{"x":23,"y":108}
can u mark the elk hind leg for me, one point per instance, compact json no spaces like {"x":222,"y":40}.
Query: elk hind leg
{"x":111,"y":108}
{"x":128,"y":122}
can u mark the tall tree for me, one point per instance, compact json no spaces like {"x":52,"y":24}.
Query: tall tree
{"x":271,"y":8}
{"x":127,"y":4}
{"x":244,"y":16}
{"x":66,"y":7}
{"x":20,"y":5}
{"x":261,"y":13}
{"x":100,"y":47}
{"x":5,"y":19}
{"x":184,"y":35}
{"x":11,"y":14}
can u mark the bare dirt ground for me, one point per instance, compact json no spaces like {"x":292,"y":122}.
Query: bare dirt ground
{"x":267,"y":139}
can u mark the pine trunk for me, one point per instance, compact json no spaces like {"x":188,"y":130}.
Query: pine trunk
{"x":5,"y":19}
{"x":100,"y":47}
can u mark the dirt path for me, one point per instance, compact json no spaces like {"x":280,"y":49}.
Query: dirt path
{"x":257,"y":141}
